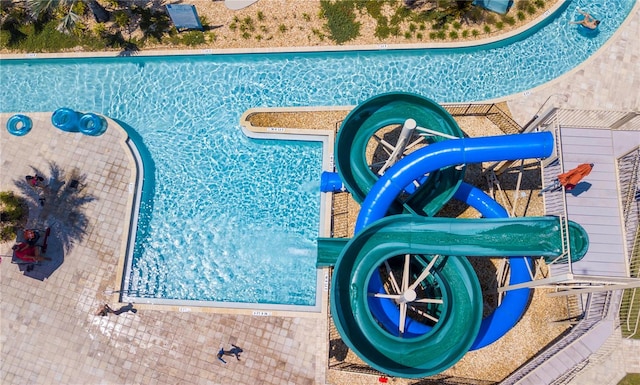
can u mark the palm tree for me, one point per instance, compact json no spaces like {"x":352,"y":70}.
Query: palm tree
{"x":60,"y":204}
{"x":40,"y":8}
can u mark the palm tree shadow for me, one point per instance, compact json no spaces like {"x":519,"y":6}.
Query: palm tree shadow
{"x":59,"y":204}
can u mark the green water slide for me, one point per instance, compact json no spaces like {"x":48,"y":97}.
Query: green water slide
{"x":492,"y":237}
{"x":392,"y":110}
{"x":441,"y":279}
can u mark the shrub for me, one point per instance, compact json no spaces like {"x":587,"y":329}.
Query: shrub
{"x":441,"y":34}
{"x":453,"y":35}
{"x":500,"y":25}
{"x":193,"y":38}
{"x":487,"y":29}
{"x":457,"y":25}
{"x":407,"y":35}
{"x":260,"y":16}
{"x":341,"y":20}
{"x":475,"y":33}
{"x":419,"y":36}
{"x":540,"y":3}
{"x":465,"y":33}
{"x":382,"y":28}
{"x":12,"y":211}
{"x":282,"y":28}
{"x":523,"y":5}
{"x":521,"y":15}
{"x":318,"y":33}
{"x":121,"y":18}
{"x":509,"y":20}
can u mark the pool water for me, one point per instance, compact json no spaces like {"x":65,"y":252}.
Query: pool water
{"x":233,"y":219}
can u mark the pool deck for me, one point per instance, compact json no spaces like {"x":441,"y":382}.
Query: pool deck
{"x":49,"y":330}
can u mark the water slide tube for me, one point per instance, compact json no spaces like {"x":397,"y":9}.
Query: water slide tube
{"x":514,"y":302}
{"x":362,"y":254}
{"x":388,"y":110}
{"x":444,"y":155}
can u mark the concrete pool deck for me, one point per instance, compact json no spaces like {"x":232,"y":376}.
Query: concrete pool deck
{"x":49,"y":330}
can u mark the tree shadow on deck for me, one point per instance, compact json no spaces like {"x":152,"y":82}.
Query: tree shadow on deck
{"x":59,"y":204}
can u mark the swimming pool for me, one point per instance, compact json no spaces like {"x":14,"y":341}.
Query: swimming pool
{"x":217,"y":194}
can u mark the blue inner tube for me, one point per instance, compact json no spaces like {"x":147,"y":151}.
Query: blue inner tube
{"x":65,"y":119}
{"x":584,"y":31}
{"x":19,"y":125}
{"x":92,"y":124}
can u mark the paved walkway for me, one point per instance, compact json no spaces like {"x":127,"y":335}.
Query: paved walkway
{"x":50,"y":333}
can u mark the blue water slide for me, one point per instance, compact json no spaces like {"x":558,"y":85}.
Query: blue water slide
{"x":447,"y":154}
{"x":514,"y":302}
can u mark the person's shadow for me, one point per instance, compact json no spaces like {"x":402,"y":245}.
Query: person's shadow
{"x":580,"y":188}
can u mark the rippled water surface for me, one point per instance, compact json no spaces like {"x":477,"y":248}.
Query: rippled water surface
{"x":233,"y":219}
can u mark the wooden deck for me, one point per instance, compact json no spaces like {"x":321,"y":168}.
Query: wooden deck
{"x":595,"y":202}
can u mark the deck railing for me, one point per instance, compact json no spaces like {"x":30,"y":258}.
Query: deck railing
{"x":612,"y":120}
{"x":490,"y":111}
{"x":629,"y":174}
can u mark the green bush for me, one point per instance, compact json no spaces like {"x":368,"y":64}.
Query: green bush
{"x":487,"y":29}
{"x":193,"y":38}
{"x":521,"y":16}
{"x":453,"y":35}
{"x":465,"y":33}
{"x":475,"y":33}
{"x":341,"y":20}
{"x":540,"y":3}
{"x":382,"y":28}
{"x":500,"y":25}
{"x":12,"y":211}
{"x":522,"y":5}
{"x":509,"y":20}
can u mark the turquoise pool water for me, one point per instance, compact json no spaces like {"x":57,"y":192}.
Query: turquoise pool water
{"x":234,"y":219}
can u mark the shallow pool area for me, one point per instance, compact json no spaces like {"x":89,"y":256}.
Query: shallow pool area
{"x":210,"y":233}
